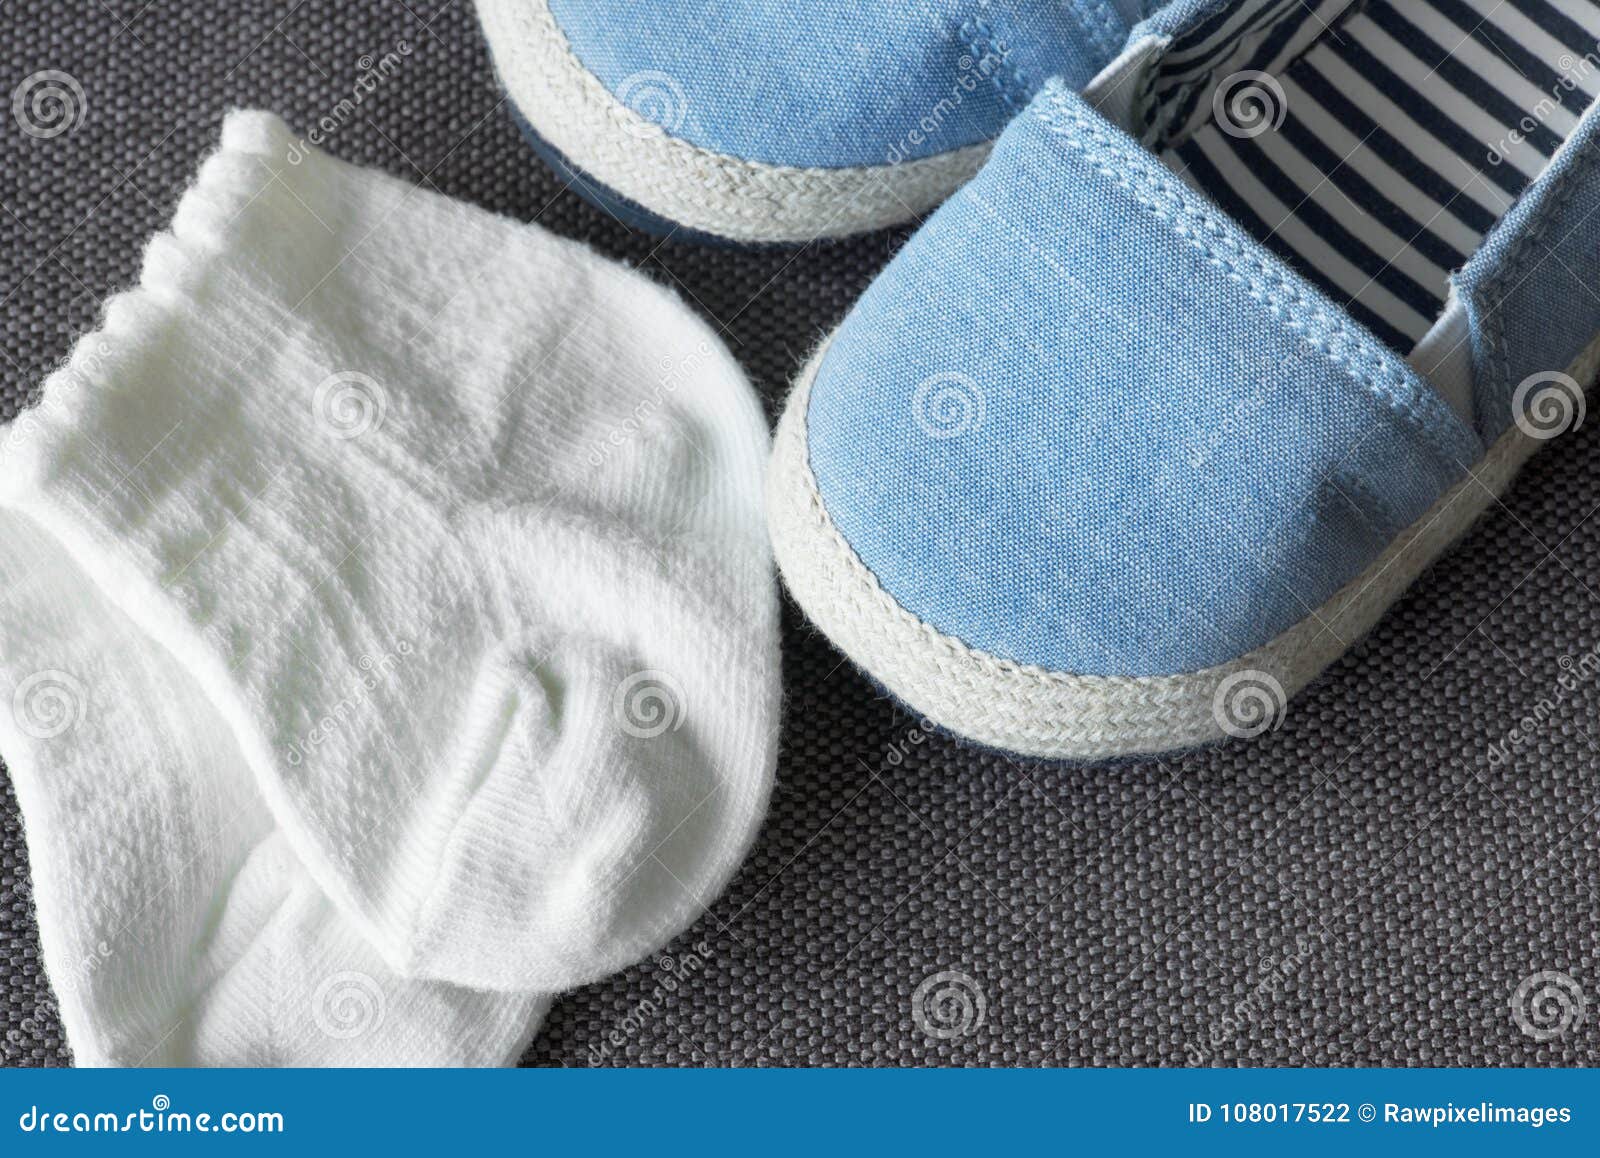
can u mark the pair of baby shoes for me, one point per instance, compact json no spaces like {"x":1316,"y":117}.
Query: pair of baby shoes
{"x":1246,"y":313}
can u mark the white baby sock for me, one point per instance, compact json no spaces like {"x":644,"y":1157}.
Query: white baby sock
{"x":178,"y":927}
{"x":457,"y":527}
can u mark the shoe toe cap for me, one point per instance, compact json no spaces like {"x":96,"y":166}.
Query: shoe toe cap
{"x":1060,"y":431}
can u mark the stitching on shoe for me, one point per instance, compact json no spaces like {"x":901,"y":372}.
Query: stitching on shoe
{"x":1098,"y":22}
{"x":1362,"y":357}
{"x":1053,"y":714}
{"x":1522,"y":251}
{"x":981,"y":42}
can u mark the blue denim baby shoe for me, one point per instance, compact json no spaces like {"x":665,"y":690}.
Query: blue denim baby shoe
{"x":1143,"y":429}
{"x":775,"y":121}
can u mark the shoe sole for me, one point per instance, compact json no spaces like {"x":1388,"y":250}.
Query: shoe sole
{"x":1048,"y":714}
{"x":629,"y":213}
{"x":635,"y":158}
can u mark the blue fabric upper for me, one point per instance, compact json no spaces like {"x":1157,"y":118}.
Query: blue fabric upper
{"x":1530,"y":288}
{"x":1085,"y":421}
{"x":868,"y":83}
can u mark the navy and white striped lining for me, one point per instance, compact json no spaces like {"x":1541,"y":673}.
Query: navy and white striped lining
{"x":1256,"y":34}
{"x":1407,"y":129}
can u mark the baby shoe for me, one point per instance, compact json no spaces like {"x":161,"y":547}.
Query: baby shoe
{"x":768,"y":121}
{"x":1143,"y":429}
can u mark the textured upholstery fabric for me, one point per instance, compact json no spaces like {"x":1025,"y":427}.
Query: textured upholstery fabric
{"x":1369,"y":884}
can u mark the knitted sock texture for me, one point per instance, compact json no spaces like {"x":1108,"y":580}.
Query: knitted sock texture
{"x":179,"y":928}
{"x":457,"y":527}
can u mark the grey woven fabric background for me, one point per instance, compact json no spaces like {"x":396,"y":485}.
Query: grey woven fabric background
{"x":1362,"y":886}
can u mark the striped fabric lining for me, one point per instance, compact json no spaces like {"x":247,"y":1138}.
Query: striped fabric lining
{"x":1256,"y":34}
{"x":1372,"y":145}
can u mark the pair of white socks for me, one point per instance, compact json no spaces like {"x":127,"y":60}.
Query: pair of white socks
{"x":388,"y":638}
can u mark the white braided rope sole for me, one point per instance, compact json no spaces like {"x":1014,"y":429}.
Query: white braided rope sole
{"x":1057,"y":715}
{"x":711,"y":192}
